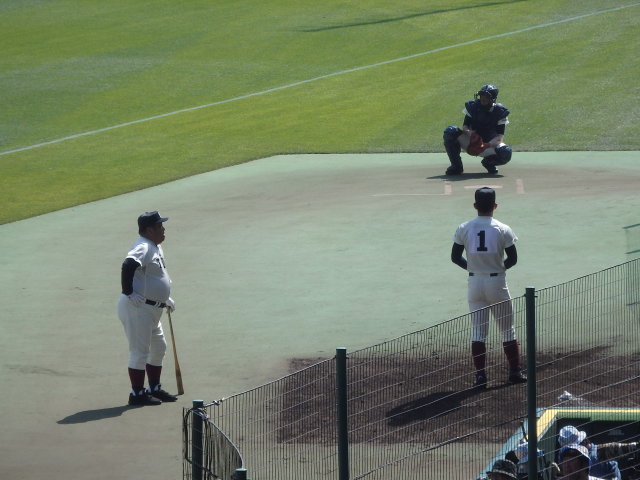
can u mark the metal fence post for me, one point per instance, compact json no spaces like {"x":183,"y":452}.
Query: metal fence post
{"x":197,"y":441}
{"x":532,"y":417}
{"x":240,"y":474}
{"x":342,"y":413}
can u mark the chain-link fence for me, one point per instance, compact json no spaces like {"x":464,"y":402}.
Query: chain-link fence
{"x":411,"y":408}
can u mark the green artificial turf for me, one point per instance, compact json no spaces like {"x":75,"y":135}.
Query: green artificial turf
{"x":71,"y":68}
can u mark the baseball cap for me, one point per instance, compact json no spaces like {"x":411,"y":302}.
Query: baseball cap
{"x":485,"y":198}
{"x":570,"y":435}
{"x":505,"y":467}
{"x":150,"y":218}
{"x":582,"y":450}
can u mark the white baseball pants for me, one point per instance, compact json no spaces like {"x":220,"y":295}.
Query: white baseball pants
{"x":486,"y":291}
{"x":144,"y":331}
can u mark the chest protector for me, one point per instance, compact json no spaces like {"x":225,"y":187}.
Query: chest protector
{"x":485,"y":121}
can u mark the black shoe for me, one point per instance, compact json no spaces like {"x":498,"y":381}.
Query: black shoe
{"x":162,"y":395}
{"x":453,"y":171}
{"x":143,"y":398}
{"x":491,"y":168}
{"x":480,"y":382}
{"x":516,"y":376}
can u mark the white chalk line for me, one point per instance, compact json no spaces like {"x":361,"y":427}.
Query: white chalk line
{"x":448,"y":190}
{"x":475,"y":187}
{"x":315,"y":79}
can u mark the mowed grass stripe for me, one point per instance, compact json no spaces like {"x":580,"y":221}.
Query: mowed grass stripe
{"x":315,"y":79}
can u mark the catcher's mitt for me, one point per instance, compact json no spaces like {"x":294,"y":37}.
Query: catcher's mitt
{"x":476,"y":145}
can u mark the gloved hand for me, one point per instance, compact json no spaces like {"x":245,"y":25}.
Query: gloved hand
{"x":137,"y":299}
{"x":476,"y":145}
{"x":171,"y":305}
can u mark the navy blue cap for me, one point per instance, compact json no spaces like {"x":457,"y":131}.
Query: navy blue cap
{"x":148,"y":219}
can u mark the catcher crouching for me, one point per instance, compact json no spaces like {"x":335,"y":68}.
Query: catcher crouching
{"x":482,"y":133}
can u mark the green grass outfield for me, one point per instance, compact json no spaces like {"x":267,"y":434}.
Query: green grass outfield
{"x":309,"y":77}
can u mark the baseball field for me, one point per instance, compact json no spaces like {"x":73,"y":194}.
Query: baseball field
{"x":332,"y":223}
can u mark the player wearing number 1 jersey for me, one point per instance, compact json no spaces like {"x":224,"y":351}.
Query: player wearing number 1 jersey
{"x":486,"y":241}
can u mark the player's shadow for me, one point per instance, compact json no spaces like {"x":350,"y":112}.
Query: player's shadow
{"x":434,"y":405}
{"x":465,"y":176}
{"x":93,"y":415}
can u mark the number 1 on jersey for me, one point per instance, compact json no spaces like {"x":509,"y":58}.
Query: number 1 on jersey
{"x":482,"y":246}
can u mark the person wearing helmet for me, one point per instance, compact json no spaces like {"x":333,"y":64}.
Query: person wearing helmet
{"x":484,"y":116}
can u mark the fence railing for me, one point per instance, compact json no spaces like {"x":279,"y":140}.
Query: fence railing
{"x":207,"y":451}
{"x":410,"y":406}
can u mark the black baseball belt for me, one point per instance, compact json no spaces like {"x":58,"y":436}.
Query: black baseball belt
{"x":155,"y":304}
{"x":471,"y":274}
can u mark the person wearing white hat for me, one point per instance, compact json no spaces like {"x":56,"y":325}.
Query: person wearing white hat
{"x":570,"y":435}
{"x":603,"y":456}
{"x":545,"y":469}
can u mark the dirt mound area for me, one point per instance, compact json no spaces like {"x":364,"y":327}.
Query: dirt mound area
{"x":430,"y":400}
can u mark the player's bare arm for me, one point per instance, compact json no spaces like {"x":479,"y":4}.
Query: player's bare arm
{"x":456,"y":255}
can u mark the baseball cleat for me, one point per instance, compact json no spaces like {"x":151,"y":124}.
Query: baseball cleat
{"x":453,"y":171}
{"x":163,"y":395}
{"x":143,"y":398}
{"x":480,"y":382}
{"x":517,"y":376}
{"x":491,"y":168}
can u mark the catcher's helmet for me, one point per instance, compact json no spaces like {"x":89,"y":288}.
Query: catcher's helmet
{"x":488,"y":90}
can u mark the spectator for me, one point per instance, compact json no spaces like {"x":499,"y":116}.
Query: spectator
{"x":574,"y":463}
{"x":503,"y":470}
{"x":521,"y":452}
{"x":602,"y":457}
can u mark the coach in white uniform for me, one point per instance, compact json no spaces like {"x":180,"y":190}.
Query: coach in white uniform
{"x":486,"y":240}
{"x":146,"y":286}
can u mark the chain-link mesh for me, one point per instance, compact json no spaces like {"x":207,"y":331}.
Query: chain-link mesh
{"x":412,"y":409}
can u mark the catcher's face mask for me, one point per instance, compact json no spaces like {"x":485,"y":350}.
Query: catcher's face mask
{"x":485,"y":100}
